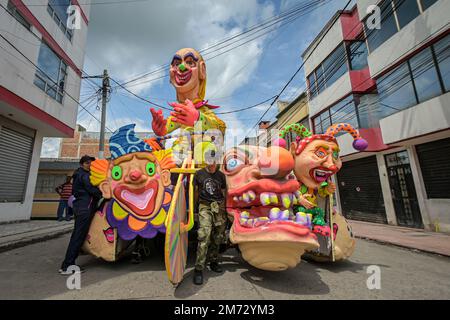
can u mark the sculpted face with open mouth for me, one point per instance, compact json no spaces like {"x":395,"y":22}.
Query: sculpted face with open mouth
{"x":260,"y":199}
{"x":317,"y":163}
{"x":187,"y":71}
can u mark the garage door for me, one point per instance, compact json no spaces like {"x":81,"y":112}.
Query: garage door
{"x":16,"y":148}
{"x":360,"y":191}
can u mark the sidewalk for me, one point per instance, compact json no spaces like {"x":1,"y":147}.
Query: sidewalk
{"x":432,"y":242}
{"x":19,"y":234}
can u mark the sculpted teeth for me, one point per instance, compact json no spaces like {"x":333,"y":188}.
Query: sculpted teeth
{"x":286,"y":200}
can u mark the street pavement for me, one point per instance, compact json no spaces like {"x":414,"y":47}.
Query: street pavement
{"x":30,"y":272}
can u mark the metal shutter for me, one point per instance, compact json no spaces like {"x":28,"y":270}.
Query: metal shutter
{"x":435,"y":167}
{"x":360,"y":191}
{"x":15,"y":157}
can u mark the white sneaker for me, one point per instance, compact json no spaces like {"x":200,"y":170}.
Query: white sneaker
{"x":66,"y":272}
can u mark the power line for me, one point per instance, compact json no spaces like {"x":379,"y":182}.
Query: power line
{"x":281,"y":17}
{"x":297,"y":71}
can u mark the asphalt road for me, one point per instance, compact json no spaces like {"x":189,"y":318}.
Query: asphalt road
{"x":31,"y":273}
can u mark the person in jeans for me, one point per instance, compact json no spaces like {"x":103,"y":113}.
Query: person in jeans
{"x":65,"y":191}
{"x":210,"y":188}
{"x":84,"y":206}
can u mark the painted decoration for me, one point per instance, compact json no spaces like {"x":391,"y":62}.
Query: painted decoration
{"x":136,"y":184}
{"x":316,"y":160}
{"x":260,"y":203}
{"x":176,"y":245}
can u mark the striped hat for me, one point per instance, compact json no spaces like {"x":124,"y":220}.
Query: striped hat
{"x":304,"y":136}
{"x":124,"y":141}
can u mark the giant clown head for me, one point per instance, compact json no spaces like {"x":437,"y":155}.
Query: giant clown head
{"x":188,"y":74}
{"x":136,"y":179}
{"x":260,"y":200}
{"x":317,"y":156}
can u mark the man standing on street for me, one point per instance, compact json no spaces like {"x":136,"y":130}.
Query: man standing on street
{"x":84,"y":206}
{"x":210,"y":188}
{"x":65,"y":191}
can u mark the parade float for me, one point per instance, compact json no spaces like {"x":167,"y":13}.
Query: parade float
{"x":316,"y":160}
{"x":279,"y":200}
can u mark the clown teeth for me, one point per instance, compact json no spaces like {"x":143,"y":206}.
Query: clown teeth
{"x":286,"y":199}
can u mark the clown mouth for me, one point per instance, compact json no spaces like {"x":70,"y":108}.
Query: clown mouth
{"x":321,"y":175}
{"x":109,"y":234}
{"x":141,"y":201}
{"x":182,"y":78}
{"x":258,"y":210}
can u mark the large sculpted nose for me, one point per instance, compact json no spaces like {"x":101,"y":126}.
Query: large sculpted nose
{"x":275,"y":162}
{"x":135,"y":175}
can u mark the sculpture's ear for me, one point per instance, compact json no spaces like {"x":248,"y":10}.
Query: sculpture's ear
{"x":202,"y":70}
{"x":292,"y":148}
{"x":105,"y":188}
{"x":165,"y":177}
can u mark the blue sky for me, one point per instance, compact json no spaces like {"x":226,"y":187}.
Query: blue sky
{"x":131,"y":39}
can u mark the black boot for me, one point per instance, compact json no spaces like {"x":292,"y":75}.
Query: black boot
{"x":214,"y":266}
{"x":198,"y":277}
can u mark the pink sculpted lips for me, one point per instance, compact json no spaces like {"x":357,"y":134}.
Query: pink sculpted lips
{"x":183,"y":78}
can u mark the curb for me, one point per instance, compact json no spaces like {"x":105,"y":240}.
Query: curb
{"x":402,"y":246}
{"x":14,"y":244}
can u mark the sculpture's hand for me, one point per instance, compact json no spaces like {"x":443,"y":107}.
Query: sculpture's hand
{"x":158,"y":122}
{"x":304,"y":202}
{"x":331,"y":188}
{"x":185,"y":113}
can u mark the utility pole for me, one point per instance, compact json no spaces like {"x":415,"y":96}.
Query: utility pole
{"x":105,"y":89}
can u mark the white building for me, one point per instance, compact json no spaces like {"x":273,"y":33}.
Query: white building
{"x":393,"y":84}
{"x":40,"y":78}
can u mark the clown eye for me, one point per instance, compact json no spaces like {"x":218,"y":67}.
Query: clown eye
{"x":321,"y":152}
{"x":116,"y":173}
{"x":150,"y":168}
{"x":335,"y":155}
{"x":232,"y":164}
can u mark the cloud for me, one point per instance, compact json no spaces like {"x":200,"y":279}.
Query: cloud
{"x":132,"y":39}
{"x":50,"y":147}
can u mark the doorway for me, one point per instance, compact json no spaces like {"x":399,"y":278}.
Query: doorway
{"x":403,"y":190}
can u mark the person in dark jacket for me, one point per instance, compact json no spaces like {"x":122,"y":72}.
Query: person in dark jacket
{"x":84,"y":206}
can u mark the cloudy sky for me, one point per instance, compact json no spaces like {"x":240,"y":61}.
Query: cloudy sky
{"x":130,"y":39}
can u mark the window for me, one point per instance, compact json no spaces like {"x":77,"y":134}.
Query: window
{"x":320,"y":79}
{"x":396,"y":90}
{"x":331,"y":69}
{"x":335,"y":66}
{"x":417,"y":79}
{"x":376,"y":37}
{"x":357,"y":52}
{"x":427,"y":3}
{"x":17,"y":15}
{"x":425,"y":76}
{"x":406,"y":11}
{"x":46,"y":183}
{"x":343,"y":111}
{"x":53,"y":75}
{"x":312,"y":85}
{"x":442,"y":50}
{"x":435,"y":167}
{"x":58,"y":10}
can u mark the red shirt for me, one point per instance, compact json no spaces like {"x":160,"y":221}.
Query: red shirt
{"x":65,"y":191}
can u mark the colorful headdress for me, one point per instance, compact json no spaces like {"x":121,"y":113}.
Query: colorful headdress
{"x":304,"y":136}
{"x":124,"y":141}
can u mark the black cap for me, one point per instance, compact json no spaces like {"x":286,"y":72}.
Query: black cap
{"x":86,"y":158}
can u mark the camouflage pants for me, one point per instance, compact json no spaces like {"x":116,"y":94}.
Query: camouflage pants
{"x":211,"y":232}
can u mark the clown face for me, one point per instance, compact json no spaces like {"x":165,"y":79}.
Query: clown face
{"x":187,"y":70}
{"x":260,"y":200}
{"x":137,"y":182}
{"x":317,"y":162}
